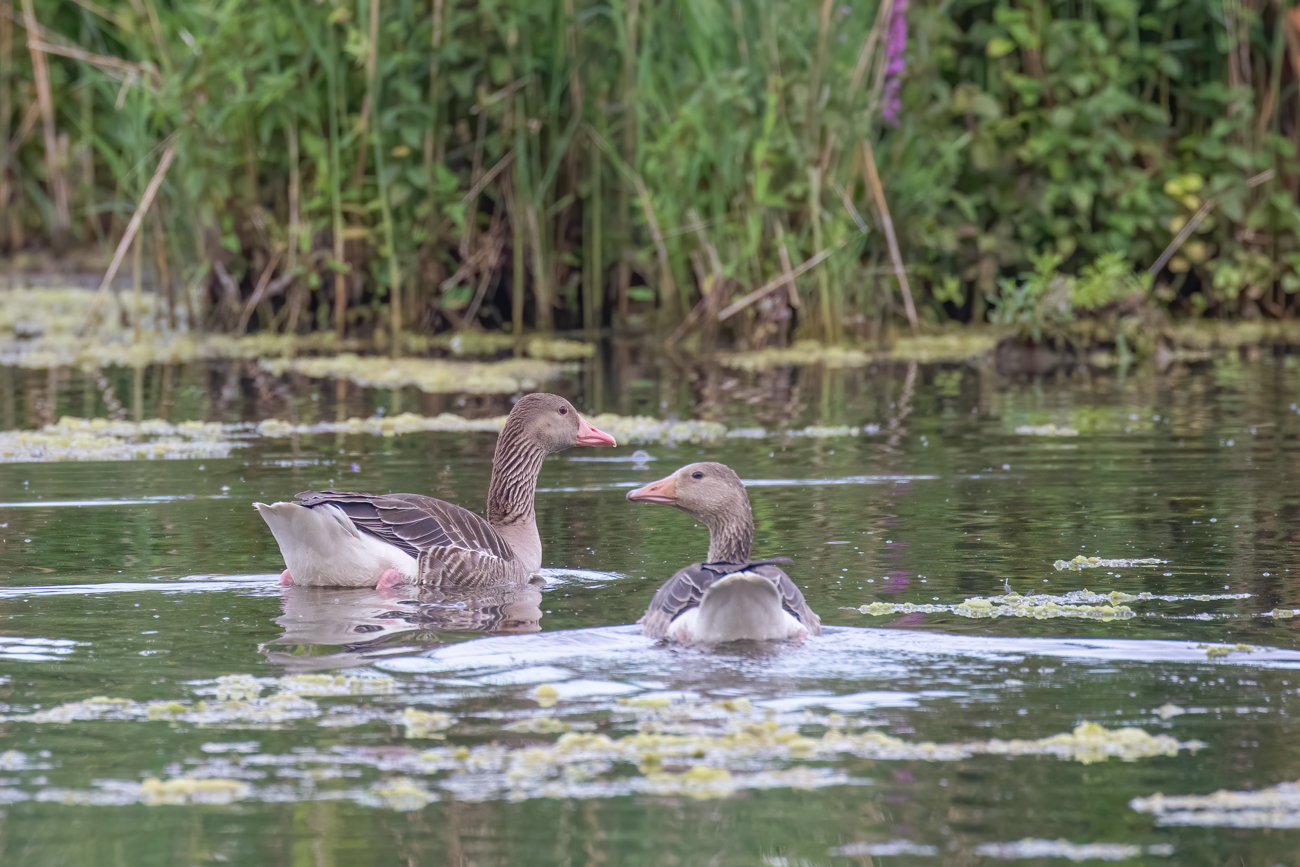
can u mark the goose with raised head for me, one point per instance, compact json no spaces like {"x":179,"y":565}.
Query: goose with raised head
{"x":346,"y":539}
{"x":730,"y":596}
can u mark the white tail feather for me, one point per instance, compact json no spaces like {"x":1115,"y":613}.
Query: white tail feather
{"x":740,"y":605}
{"x":322,"y":547}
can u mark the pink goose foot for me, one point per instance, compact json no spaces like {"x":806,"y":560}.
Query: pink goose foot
{"x":389,"y":579}
{"x":286,"y":580}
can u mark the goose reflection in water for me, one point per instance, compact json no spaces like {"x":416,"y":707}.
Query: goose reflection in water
{"x":363,"y":623}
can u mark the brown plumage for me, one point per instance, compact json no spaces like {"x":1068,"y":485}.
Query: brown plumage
{"x":729,"y":596}
{"x":343,"y":538}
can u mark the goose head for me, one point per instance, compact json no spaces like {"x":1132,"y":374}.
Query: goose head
{"x":714,"y":495}
{"x":553,"y":424}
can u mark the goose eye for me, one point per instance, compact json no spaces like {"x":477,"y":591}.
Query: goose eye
{"x":697,"y":475}
{"x":564,"y":410}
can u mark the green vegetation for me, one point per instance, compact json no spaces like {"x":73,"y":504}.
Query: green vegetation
{"x":371,"y":167}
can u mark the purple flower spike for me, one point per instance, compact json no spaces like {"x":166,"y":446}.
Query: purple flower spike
{"x":891,"y":102}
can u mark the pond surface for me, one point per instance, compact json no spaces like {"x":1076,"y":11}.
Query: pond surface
{"x":163,"y":701}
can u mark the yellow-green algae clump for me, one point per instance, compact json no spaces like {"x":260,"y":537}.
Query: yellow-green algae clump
{"x":1214,"y":651}
{"x":1274,"y":807}
{"x":1079,"y":603}
{"x":1081,"y":562}
{"x":427,"y":374}
{"x":99,"y":439}
{"x":184,"y":790}
{"x":1047,"y":430}
{"x":426,"y":724}
{"x":956,"y":345}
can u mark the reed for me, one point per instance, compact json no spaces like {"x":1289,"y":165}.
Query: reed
{"x":368,"y":166}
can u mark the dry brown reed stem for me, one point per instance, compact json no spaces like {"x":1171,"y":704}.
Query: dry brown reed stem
{"x":258,"y":291}
{"x":164,"y":163}
{"x":792,"y":290}
{"x":365,"y":121}
{"x":1291,"y":29}
{"x":501,"y":165}
{"x":544,"y":315}
{"x":887,"y":223}
{"x":62,"y":220}
{"x":883,"y":15}
{"x":708,"y":282}
{"x":819,"y":64}
{"x":106,"y":14}
{"x":25,"y":127}
{"x":295,"y":192}
{"x":772,"y":285}
{"x":164,"y":270}
{"x":137,"y":288}
{"x":1201,"y":213}
{"x":6,"y":97}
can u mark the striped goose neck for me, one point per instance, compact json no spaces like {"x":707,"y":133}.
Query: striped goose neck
{"x":515,"y":467}
{"x":731,"y":534}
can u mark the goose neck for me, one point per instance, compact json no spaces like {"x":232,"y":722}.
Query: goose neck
{"x":731,"y":536}
{"x":515,"y":467}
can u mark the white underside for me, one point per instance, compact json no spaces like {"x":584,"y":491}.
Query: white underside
{"x":323,"y":548}
{"x":740,"y":605}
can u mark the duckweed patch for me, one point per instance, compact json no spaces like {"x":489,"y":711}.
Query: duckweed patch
{"x":1045,"y":606}
{"x":951,"y":346}
{"x":98,"y":439}
{"x":1081,"y":562}
{"x":1031,"y":847}
{"x":1079,"y":603}
{"x":682,"y":748}
{"x":429,"y":375}
{"x":1274,"y":807}
{"x":1047,"y":430}
{"x":1215,"y":651}
{"x":472,"y":343}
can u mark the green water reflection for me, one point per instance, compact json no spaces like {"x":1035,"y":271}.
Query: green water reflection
{"x":147,"y":580}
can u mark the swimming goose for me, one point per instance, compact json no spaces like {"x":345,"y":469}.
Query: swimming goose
{"x":730,"y":596}
{"x":346,"y":539}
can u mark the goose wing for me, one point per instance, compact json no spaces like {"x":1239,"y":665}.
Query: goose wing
{"x":686,"y":589}
{"x":416,"y":524}
{"x":791,"y":597}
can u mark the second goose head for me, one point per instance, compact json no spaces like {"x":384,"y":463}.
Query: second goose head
{"x":713,"y":494}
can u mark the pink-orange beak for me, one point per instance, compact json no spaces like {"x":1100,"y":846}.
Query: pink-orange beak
{"x":663,"y":491}
{"x":590,"y":435}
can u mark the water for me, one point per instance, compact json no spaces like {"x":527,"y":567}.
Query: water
{"x":304,"y":723}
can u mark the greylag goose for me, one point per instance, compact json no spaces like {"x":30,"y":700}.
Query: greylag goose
{"x":730,"y":596}
{"x":346,"y":539}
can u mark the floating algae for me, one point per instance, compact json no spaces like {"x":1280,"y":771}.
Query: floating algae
{"x":386,"y":426}
{"x":546,"y":695}
{"x":889,"y":847}
{"x":1214,"y":651}
{"x":337,"y":684}
{"x":426,"y":724}
{"x":489,"y":343}
{"x":1045,"y":606}
{"x":1274,"y":807}
{"x":1081,"y":562}
{"x":402,"y":794}
{"x":1047,"y":430}
{"x":1030,"y":847}
{"x":1040,"y":606}
{"x":99,"y":439}
{"x":427,"y":374}
{"x":185,"y":790}
{"x":954,"y":346}
{"x":653,"y":746}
